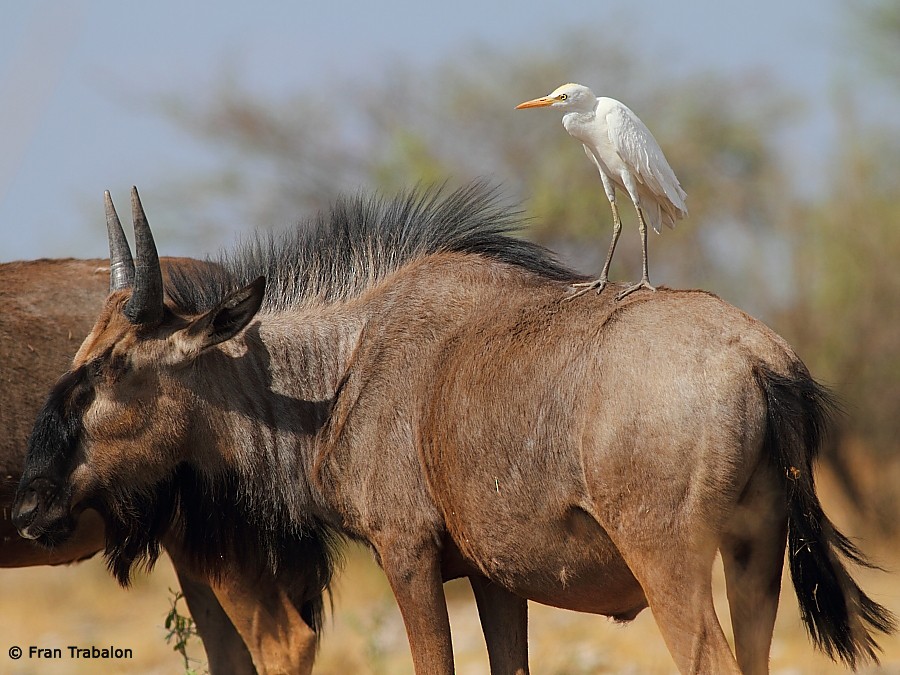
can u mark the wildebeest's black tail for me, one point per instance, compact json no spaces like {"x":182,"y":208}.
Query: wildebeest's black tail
{"x":837,"y":614}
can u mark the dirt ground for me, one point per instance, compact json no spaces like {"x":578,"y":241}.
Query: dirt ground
{"x":81,"y":605}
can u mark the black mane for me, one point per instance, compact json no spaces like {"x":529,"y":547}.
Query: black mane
{"x":362,"y":239}
{"x":216,"y":533}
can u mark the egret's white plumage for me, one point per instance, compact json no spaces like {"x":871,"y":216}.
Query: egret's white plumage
{"x":627,"y":157}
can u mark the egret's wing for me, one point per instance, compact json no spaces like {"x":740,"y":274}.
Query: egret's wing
{"x":635,"y":145}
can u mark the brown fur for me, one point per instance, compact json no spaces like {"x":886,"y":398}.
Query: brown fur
{"x":46,"y":309}
{"x":463,"y":419}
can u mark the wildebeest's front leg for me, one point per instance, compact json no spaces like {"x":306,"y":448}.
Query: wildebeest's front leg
{"x":414,"y":574}
{"x":225,"y":650}
{"x":278,"y":638}
{"x":504,"y":621}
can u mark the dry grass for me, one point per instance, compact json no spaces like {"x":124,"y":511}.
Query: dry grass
{"x":81,"y":604}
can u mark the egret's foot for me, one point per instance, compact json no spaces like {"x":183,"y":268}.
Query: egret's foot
{"x":585,"y":286}
{"x":643,"y":283}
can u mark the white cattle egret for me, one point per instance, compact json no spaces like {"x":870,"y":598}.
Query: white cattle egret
{"x":627,"y":157}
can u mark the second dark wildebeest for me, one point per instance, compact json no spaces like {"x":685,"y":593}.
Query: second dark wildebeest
{"x":407,"y":374}
{"x":47,"y":307}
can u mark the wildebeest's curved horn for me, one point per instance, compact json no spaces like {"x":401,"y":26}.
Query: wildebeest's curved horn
{"x":121,"y":265}
{"x":146,"y":303}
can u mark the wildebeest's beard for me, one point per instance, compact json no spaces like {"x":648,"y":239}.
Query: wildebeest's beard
{"x":217,"y":523}
{"x":137,"y":517}
{"x":135,"y":520}
{"x":42,"y":508}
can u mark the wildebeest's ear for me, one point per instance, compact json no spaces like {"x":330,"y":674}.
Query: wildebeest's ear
{"x":229,"y":317}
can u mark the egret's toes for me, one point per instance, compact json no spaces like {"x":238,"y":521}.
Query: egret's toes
{"x":585,"y":286}
{"x":643,"y":283}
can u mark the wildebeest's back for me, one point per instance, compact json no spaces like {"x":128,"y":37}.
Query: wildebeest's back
{"x":563,"y":393}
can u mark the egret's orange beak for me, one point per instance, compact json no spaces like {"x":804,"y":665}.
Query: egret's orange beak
{"x":541,"y":102}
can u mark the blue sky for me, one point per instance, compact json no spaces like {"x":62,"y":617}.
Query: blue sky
{"x":78,"y":79}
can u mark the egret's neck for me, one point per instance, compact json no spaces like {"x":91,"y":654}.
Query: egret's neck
{"x":577,"y":121}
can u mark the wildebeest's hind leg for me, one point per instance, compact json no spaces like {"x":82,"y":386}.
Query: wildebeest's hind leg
{"x":504,"y":621}
{"x":753,"y":556}
{"x":676,"y":575}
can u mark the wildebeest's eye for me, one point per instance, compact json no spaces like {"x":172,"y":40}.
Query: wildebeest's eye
{"x":95,"y":369}
{"x":118,"y":364}
{"x":110,"y":367}
{"x":116,"y":367}
{"x":73,"y":391}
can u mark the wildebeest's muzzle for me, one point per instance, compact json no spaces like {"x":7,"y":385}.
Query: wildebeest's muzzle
{"x":42,"y":508}
{"x":41,"y":512}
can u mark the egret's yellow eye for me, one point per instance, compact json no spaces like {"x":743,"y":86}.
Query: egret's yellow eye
{"x":563,"y":97}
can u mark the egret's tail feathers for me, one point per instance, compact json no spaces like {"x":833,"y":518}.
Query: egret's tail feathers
{"x":677,"y":197}
{"x":667,"y":184}
{"x":662,"y":214}
{"x":655,"y":216}
{"x":675,"y":208}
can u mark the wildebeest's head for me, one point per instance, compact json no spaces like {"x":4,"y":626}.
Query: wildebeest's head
{"x":116,"y":427}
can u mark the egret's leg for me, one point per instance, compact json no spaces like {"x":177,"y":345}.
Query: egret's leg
{"x":645,"y":279}
{"x":617,"y":230}
{"x":600,"y":283}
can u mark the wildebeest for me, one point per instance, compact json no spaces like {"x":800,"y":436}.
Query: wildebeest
{"x":407,"y":374}
{"x":48,"y":307}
